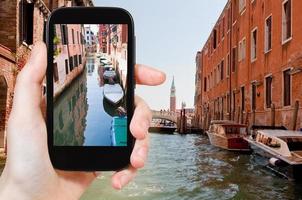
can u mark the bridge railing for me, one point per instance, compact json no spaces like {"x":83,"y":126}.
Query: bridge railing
{"x":164,"y":113}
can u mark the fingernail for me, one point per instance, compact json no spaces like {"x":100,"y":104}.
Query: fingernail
{"x":124,"y":180}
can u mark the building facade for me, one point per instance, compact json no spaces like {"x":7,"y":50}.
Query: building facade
{"x":90,"y":40}
{"x":24,"y":22}
{"x":250,"y":67}
{"x":69,"y":55}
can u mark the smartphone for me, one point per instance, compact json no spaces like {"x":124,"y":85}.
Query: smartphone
{"x":90,"y":88}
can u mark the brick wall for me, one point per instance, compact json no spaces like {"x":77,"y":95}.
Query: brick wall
{"x":8,"y":19}
{"x":7,"y":82}
{"x":247,"y":72}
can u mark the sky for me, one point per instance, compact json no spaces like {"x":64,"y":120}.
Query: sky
{"x":168,"y":35}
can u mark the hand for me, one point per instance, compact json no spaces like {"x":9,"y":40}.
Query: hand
{"x":28,"y":173}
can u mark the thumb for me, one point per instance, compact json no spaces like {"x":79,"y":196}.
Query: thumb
{"x":26,"y":133}
{"x":28,"y":93}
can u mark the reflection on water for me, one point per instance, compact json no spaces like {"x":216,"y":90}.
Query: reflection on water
{"x":81,"y":115}
{"x":188,"y":167}
{"x":70,"y":111}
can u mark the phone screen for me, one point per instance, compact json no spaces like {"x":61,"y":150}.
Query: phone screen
{"x":89,"y":84}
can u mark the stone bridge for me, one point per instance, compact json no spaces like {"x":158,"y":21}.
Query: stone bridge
{"x":170,"y":116}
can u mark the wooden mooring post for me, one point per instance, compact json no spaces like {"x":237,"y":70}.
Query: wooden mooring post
{"x":273,"y":115}
{"x":295,"y":115}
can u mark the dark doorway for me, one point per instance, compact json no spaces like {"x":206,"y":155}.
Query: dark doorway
{"x":3,"y":103}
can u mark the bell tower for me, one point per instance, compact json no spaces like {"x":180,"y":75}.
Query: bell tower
{"x":173,"y":97}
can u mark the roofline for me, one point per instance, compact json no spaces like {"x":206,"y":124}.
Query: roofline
{"x":220,"y":16}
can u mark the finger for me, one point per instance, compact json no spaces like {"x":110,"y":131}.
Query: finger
{"x":122,"y":178}
{"x":26,"y":127}
{"x":148,"y":76}
{"x":140,"y":152}
{"x":28,"y":94}
{"x":141,"y":119}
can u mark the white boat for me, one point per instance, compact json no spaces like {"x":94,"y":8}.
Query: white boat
{"x":283,"y":150}
{"x":109,"y":74}
{"x":113,"y":93}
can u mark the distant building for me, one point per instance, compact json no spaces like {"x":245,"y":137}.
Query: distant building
{"x":173,"y":97}
{"x":251,"y":62}
{"x":90,"y":40}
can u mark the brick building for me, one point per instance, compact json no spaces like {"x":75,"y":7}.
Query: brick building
{"x":7,"y":82}
{"x":22,"y":24}
{"x":69,"y":55}
{"x":250,"y":67}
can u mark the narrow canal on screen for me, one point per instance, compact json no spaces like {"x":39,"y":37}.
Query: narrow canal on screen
{"x":91,"y":115}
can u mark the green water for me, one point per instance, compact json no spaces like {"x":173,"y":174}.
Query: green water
{"x":188,"y":167}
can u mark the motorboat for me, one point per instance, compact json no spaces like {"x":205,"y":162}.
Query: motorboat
{"x":283,"y":150}
{"x":228,"y":135}
{"x":113,"y":93}
{"x":109,"y":74}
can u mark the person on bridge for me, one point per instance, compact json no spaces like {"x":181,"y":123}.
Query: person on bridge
{"x":28,"y":173}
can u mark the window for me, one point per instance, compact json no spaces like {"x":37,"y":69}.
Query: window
{"x":205,"y":84}
{"x":286,"y":20}
{"x":268,"y":34}
{"x":223,"y":26}
{"x":80,"y":59}
{"x":229,"y":19}
{"x":26,"y":11}
{"x":64,"y":33}
{"x":228,"y":102}
{"x":215,"y":39}
{"x":242,"y":49}
{"x":222,"y":70}
{"x":66,"y":66}
{"x":234,"y":59}
{"x":228,"y":65}
{"x":78,"y":37}
{"x":234,"y":100}
{"x":254,"y":93}
{"x":211,"y":79}
{"x":72,"y":31}
{"x":286,"y":88}
{"x":75,"y":58}
{"x":215,"y":76}
{"x":254,"y":45}
{"x":70,"y":64}
{"x":242,"y":5}
{"x":55,"y":72}
{"x":243,"y":98}
{"x":268,"y":91}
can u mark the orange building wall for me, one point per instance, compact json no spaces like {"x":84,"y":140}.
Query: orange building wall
{"x":281,"y":57}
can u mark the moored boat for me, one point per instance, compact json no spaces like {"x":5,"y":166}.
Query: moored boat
{"x":228,"y":135}
{"x":119,"y":131}
{"x":113,"y":93}
{"x":109,"y":74}
{"x":283,"y":150}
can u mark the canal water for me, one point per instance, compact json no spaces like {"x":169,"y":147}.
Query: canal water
{"x":82,"y":117}
{"x":188,"y":167}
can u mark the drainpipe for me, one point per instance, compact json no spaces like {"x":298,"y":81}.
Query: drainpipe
{"x":231,"y":63}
